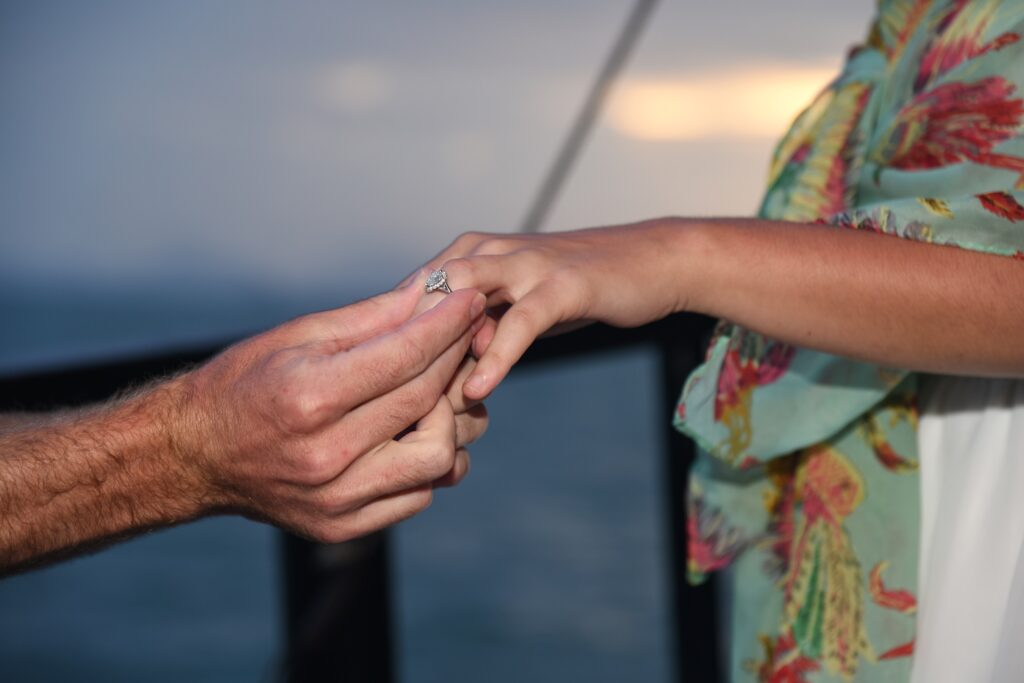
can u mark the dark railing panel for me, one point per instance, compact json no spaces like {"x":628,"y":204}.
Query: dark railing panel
{"x":338,"y":610}
{"x":338,"y":605}
{"x":80,"y":385}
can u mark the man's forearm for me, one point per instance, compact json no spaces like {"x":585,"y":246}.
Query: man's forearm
{"x":78,"y":480}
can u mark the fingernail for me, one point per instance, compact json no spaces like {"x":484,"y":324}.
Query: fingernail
{"x":477,"y":307}
{"x":474,"y":384}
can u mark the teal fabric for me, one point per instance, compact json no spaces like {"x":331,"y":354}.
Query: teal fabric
{"x":806,"y":488}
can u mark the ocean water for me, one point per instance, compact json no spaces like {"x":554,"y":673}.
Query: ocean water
{"x":548,"y":563}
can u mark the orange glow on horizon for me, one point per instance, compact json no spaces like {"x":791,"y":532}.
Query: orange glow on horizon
{"x":760,"y":101}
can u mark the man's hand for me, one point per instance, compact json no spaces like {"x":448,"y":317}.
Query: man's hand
{"x":295,"y":426}
{"x":470,"y":413}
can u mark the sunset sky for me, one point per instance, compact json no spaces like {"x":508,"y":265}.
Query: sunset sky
{"x":224,"y":146}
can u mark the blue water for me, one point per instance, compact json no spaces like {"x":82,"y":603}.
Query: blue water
{"x":198,"y":603}
{"x":546,"y":564}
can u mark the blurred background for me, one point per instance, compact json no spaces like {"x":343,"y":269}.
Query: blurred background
{"x":180,"y":174}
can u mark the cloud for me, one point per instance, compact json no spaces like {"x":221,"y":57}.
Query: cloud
{"x":355,"y":87}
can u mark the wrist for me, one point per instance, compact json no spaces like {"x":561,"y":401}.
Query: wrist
{"x":155,"y":478}
{"x":184,"y":439}
{"x":691,"y":282}
{"x":675,"y":263}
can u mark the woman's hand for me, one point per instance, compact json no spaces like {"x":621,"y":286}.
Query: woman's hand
{"x":623,"y":276}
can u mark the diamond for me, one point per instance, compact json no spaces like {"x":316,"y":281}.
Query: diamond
{"x":437,"y":280}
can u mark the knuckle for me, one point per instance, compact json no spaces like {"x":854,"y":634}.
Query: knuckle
{"x":521,"y":317}
{"x":469,"y":239}
{"x":314,"y":465}
{"x":302,"y":410}
{"x":537,"y":257}
{"x":438,"y":459}
{"x":298,"y":406}
{"x":415,"y":400}
{"x":429,"y":462}
{"x":328,"y":503}
{"x":282,"y":367}
{"x":460,"y":270}
{"x":455,"y":396}
{"x":492,"y":245}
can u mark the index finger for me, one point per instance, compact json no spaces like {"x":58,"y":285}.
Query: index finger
{"x":350,"y":325}
{"x":350,"y":378}
{"x":517,"y":329}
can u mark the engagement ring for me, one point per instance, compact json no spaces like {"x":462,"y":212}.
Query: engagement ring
{"x":438,"y":281}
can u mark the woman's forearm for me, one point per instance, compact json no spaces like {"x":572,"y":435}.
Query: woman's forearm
{"x":864,"y":295}
{"x":869,"y":296}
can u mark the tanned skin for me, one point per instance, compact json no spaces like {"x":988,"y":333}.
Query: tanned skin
{"x":868,"y":296}
{"x":296,"y":426}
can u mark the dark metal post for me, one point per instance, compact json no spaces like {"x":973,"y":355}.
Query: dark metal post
{"x":338,"y":611}
{"x":694,"y":607}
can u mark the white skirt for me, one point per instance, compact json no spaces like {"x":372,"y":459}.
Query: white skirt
{"x":971,"y":573}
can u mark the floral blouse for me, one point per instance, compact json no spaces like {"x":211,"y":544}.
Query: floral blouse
{"x":806,"y":486}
